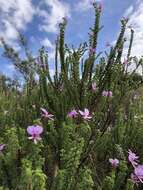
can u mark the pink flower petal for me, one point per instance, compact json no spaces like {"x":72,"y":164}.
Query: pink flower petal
{"x":86,"y":111}
{"x":44,"y":110}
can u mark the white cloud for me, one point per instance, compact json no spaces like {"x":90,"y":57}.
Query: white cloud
{"x":129,"y":11}
{"x":47,"y":43}
{"x":8,"y":70}
{"x":14,"y":15}
{"x":136,"y":21}
{"x":51,"y":18}
{"x":84,"y":5}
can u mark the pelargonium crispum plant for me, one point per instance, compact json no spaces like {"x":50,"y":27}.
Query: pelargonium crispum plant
{"x":79,"y":129}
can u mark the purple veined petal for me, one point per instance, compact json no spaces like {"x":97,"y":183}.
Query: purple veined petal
{"x":87,"y":118}
{"x":35,"y":129}
{"x":43,"y":115}
{"x":46,"y":114}
{"x":134,"y":178}
{"x":73,"y":113}
{"x":133,"y":158}
{"x":114,"y":162}
{"x":81,"y":112}
{"x":85,"y":114}
{"x":50,"y":118}
{"x":30,"y":130}
{"x":110,"y":94}
{"x":44,"y":110}
{"x":104,"y":93}
{"x":50,"y":115}
{"x":2,"y":146}
{"x":70,"y":114}
{"x":86,"y":111}
{"x":35,"y":132}
{"x":38,"y":129}
{"x":138,"y":172}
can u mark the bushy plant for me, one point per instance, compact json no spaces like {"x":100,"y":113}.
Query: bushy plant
{"x":94,"y":117}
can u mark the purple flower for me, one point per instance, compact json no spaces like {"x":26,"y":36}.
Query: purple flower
{"x":110,"y":94}
{"x":114,"y":162}
{"x":46,"y":114}
{"x":73,"y":113}
{"x":85,"y":114}
{"x":137,"y":176}
{"x":94,"y":86}
{"x":133,"y":158}
{"x":35,"y":131}
{"x":2,"y":146}
{"x":107,"y":93}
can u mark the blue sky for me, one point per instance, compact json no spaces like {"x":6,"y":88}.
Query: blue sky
{"x":38,"y":20}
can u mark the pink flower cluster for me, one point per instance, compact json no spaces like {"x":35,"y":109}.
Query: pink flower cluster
{"x":35,"y":131}
{"x":137,"y":175}
{"x":107,"y":93}
{"x":84,"y":114}
{"x":2,"y":146}
{"x":46,"y":114}
{"x":114,"y":162}
{"x":133,"y":158}
{"x":73,"y":113}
